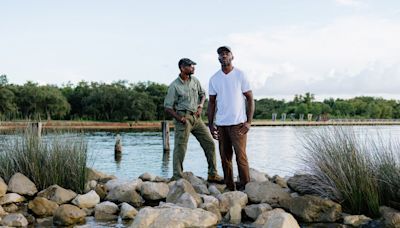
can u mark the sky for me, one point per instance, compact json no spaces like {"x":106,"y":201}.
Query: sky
{"x":331,"y":48}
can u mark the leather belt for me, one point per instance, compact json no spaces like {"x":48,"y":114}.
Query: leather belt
{"x":185,"y":112}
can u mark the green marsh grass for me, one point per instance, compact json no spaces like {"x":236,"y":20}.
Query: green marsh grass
{"x":57,"y":158}
{"x":359,"y":171}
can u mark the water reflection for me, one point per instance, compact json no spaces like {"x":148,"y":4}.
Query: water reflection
{"x":165,"y":163}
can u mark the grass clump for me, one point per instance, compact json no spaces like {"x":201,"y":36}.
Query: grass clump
{"x":57,"y":158}
{"x":359,"y":171}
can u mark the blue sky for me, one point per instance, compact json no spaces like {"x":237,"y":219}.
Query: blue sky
{"x":332,"y":48}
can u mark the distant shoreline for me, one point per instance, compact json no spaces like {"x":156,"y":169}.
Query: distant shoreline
{"x":156,"y":125}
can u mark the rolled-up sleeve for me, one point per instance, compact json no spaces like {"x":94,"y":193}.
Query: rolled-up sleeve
{"x":170,"y":98}
{"x":202,"y":92}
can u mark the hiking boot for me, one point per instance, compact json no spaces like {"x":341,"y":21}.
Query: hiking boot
{"x":215,"y":178}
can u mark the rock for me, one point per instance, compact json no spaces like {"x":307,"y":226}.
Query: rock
{"x":14,"y":220}
{"x":213,"y":190}
{"x":193,"y":180}
{"x":42,"y":207}
{"x":154,"y":190}
{"x":147,"y":177}
{"x":186,"y":200}
{"x":11,"y":208}
{"x":58,"y":194}
{"x":125,"y":193}
{"x":313,"y":208}
{"x":257,"y":176}
{"x":234,"y":215}
{"x":201,"y":189}
{"x":265,"y":192}
{"x":44,"y":222}
{"x":160,"y":179}
{"x":127,"y":211}
{"x":98,"y":176}
{"x":356,"y":220}
{"x":2,"y":212}
{"x":211,"y":207}
{"x":20,"y":184}
{"x":303,"y":184}
{"x":390,"y":216}
{"x":276,"y":218}
{"x":131,"y":184}
{"x":101,"y":190}
{"x":88,"y":211}
{"x":88,"y":200}
{"x":90,"y":185}
{"x":68,"y":214}
{"x":255,"y":210}
{"x":170,"y":215}
{"x":106,"y":211}
{"x":3,"y":187}
{"x":279,"y":181}
{"x":229,"y":199}
{"x":11,"y":198}
{"x":209,"y":199}
{"x":180,"y":187}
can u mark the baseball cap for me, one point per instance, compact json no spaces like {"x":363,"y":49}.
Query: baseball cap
{"x":223,"y":48}
{"x":185,"y":62}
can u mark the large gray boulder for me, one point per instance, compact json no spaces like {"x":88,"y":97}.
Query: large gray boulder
{"x":147,"y":177}
{"x":276,"y":218}
{"x":313,"y":208}
{"x":106,"y":211}
{"x":209,"y":199}
{"x":154,"y":190}
{"x":98,"y":176}
{"x":3,"y":187}
{"x":254,"y":210}
{"x":170,"y":215}
{"x":213,"y":208}
{"x":42,"y":207}
{"x":229,"y":199}
{"x":257,"y":176}
{"x":14,"y":220}
{"x":186,"y":200}
{"x":234,"y":215}
{"x":125,"y":193}
{"x":214,"y":190}
{"x":127,"y":211}
{"x":179,"y":188}
{"x":135,"y":184}
{"x":390,"y":216}
{"x":67,"y":214}
{"x":11,"y":198}
{"x":88,"y":200}
{"x":305,"y":184}
{"x":266,"y":192}
{"x":21,"y":184}
{"x":58,"y":194}
{"x":199,"y":185}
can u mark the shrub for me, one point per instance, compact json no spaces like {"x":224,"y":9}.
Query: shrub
{"x":57,"y":158}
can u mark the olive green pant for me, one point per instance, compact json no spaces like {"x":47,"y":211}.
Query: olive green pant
{"x":197,"y":127}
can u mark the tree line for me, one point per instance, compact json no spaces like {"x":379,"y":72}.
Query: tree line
{"x":123,"y":101}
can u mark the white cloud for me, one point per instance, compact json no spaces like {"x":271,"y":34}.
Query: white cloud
{"x":353,"y":55}
{"x":356,"y":3}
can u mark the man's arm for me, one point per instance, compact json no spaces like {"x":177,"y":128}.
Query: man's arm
{"x":211,"y":115}
{"x":172,"y":112}
{"x":200,"y":106}
{"x":249,"y":112}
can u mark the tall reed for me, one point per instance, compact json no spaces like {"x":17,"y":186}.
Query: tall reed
{"x":58,"y":158}
{"x":358,"y":171}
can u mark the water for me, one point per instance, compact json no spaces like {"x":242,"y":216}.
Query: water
{"x":274,"y":150}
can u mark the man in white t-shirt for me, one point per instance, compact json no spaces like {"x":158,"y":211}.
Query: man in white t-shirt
{"x":231,"y":104}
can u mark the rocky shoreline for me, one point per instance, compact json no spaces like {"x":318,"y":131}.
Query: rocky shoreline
{"x":152,"y":201}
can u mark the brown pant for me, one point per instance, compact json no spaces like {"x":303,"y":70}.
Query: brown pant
{"x":229,"y":139}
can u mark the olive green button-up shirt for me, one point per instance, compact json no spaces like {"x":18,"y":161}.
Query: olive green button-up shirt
{"x":184,"y":95}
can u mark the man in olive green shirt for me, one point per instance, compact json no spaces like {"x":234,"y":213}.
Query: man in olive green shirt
{"x":184,"y":102}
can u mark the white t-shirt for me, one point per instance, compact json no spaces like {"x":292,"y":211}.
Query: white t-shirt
{"x":229,"y":89}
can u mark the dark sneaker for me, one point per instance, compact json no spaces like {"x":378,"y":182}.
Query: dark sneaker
{"x":215,"y":178}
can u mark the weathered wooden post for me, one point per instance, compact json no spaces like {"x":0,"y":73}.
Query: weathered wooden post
{"x":118,"y":149}
{"x":36,"y":128}
{"x":301,"y":118}
{"x":165,"y":135}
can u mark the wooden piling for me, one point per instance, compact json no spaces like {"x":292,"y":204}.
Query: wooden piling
{"x":36,"y":128}
{"x":165,"y":135}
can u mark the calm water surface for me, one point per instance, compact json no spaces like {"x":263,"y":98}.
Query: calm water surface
{"x":274,"y":150}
